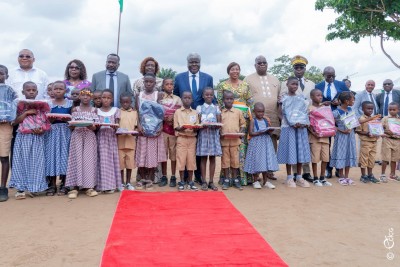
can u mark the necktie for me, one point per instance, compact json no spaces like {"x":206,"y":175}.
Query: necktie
{"x":301,"y":84}
{"x":194,"y":86}
{"x":373,"y":103}
{"x":328,"y":92}
{"x":386,"y":105}
{"x":111,"y":85}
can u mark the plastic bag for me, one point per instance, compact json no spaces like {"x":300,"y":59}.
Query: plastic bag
{"x":8,"y":103}
{"x":31,"y":122}
{"x":169,"y":109}
{"x":375,"y":128}
{"x":295,"y":110}
{"x":394,"y":125}
{"x":151,"y":115}
{"x":350,"y":120}
{"x":323,"y":122}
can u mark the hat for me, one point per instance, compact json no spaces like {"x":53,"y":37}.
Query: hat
{"x":299,"y":60}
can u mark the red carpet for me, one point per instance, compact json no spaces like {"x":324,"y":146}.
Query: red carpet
{"x":183,"y":229}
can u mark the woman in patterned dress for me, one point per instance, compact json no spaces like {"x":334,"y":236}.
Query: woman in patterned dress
{"x":82,"y":160}
{"x":150,"y":150}
{"x":75,"y":77}
{"x":109,"y":175}
{"x":57,"y":140}
{"x":244,"y":102}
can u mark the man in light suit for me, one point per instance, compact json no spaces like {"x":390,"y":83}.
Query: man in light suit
{"x":193,"y":80}
{"x":387,"y":97}
{"x":366,"y":95}
{"x":331,"y":89}
{"x":299,"y":64}
{"x":112,"y":79}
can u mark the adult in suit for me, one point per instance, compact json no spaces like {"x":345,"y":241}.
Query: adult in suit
{"x":299,"y":64}
{"x":388,"y":96}
{"x":112,"y":79}
{"x":331,"y":89}
{"x":366,"y":95}
{"x":193,"y":80}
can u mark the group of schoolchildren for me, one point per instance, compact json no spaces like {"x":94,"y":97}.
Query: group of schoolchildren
{"x":93,"y":158}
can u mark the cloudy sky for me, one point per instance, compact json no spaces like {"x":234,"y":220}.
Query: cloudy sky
{"x":220,"y":31}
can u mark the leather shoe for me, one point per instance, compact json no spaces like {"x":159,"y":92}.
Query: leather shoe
{"x":308,"y":177}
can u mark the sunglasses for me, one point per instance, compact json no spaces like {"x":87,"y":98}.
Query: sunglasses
{"x":74,"y":67}
{"x":330,"y":76}
{"x":385,"y":84}
{"x":262,"y":63}
{"x":24,"y":56}
{"x":299,"y":67}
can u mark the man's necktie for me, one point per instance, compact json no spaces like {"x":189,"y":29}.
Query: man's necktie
{"x":373,"y":103}
{"x":301,"y":84}
{"x":194,"y":86}
{"x":328,"y":92}
{"x":111,"y":85}
{"x":386,"y":105}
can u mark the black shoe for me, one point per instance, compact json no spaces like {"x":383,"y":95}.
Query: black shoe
{"x":225,"y":184}
{"x":308,"y":177}
{"x":364,"y":179}
{"x":198,"y":180}
{"x":328,"y":174}
{"x":221,"y":180}
{"x":163,"y":181}
{"x":3,"y":194}
{"x":172,"y":181}
{"x":237,"y":184}
{"x":294,"y":176}
{"x":337,"y":174}
{"x":372,"y":179}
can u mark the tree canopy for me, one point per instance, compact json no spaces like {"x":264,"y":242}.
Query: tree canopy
{"x":282,"y":69}
{"x":166,"y":73}
{"x":364,"y":18}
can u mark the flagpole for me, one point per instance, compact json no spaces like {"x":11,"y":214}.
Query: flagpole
{"x":119,"y":28}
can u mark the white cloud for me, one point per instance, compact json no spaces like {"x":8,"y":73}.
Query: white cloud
{"x":221,"y":31}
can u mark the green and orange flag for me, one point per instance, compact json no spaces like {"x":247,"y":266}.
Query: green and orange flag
{"x":121,"y":5}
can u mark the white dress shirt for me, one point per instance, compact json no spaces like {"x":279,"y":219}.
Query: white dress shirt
{"x":333,"y":90}
{"x":196,"y":78}
{"x":374,"y":101}
{"x":19,"y":76}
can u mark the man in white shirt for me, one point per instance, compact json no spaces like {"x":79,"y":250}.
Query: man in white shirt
{"x":27,"y":72}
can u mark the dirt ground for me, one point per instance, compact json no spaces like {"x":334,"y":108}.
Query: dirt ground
{"x":329,"y":226}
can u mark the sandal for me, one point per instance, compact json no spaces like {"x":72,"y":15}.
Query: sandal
{"x":62,"y":191}
{"x":91,"y":192}
{"x":149,"y":185}
{"x":73,"y":194}
{"x":20,"y":195}
{"x":394,"y":178}
{"x":51,"y":191}
{"x":342,"y":181}
{"x":350,"y":182}
{"x":204,"y":187}
{"x":383,"y":178}
{"x":212,"y":187}
{"x":139,"y":185}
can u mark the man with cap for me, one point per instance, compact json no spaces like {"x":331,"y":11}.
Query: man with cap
{"x":299,"y":64}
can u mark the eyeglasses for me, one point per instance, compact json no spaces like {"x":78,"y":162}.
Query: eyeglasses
{"x":262,"y":63}
{"x":24,"y":56}
{"x":330,"y":76}
{"x":299,"y":67}
{"x":74,"y":67}
{"x":385,"y":84}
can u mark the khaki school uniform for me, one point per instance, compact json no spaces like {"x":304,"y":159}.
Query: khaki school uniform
{"x":186,"y":141}
{"x":6,"y":131}
{"x":127,"y":143}
{"x":170,"y":140}
{"x":390,"y":145}
{"x":232,"y":120}
{"x":367,"y":155}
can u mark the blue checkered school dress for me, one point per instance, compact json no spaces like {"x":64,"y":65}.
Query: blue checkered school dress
{"x":57,"y":142}
{"x":293,"y":144}
{"x":28,"y":171}
{"x":344,"y":152}
{"x":260,"y":155}
{"x":208,"y":139}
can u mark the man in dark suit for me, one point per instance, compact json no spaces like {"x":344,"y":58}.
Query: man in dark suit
{"x":331,"y":89}
{"x":387,"y":97}
{"x":112,"y":79}
{"x":193,"y":80}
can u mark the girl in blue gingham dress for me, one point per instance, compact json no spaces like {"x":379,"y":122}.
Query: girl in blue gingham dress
{"x":208,"y":140}
{"x":293,"y":145}
{"x":57,"y":139}
{"x":344,"y":154}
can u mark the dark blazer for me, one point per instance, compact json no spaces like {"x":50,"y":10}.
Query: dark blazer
{"x":182,"y":84}
{"x":124,"y":84}
{"x":380,"y":99}
{"x":339,"y":85}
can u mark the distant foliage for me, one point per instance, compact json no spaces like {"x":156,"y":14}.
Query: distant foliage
{"x":166,"y":73}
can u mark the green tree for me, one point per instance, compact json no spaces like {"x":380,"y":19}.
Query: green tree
{"x":364,"y":18}
{"x":282,"y":69}
{"x":166,"y":73}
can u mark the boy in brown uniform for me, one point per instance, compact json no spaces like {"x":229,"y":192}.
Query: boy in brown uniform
{"x":186,"y":141}
{"x":390,"y":144}
{"x":233,"y":122}
{"x":367,"y":143}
